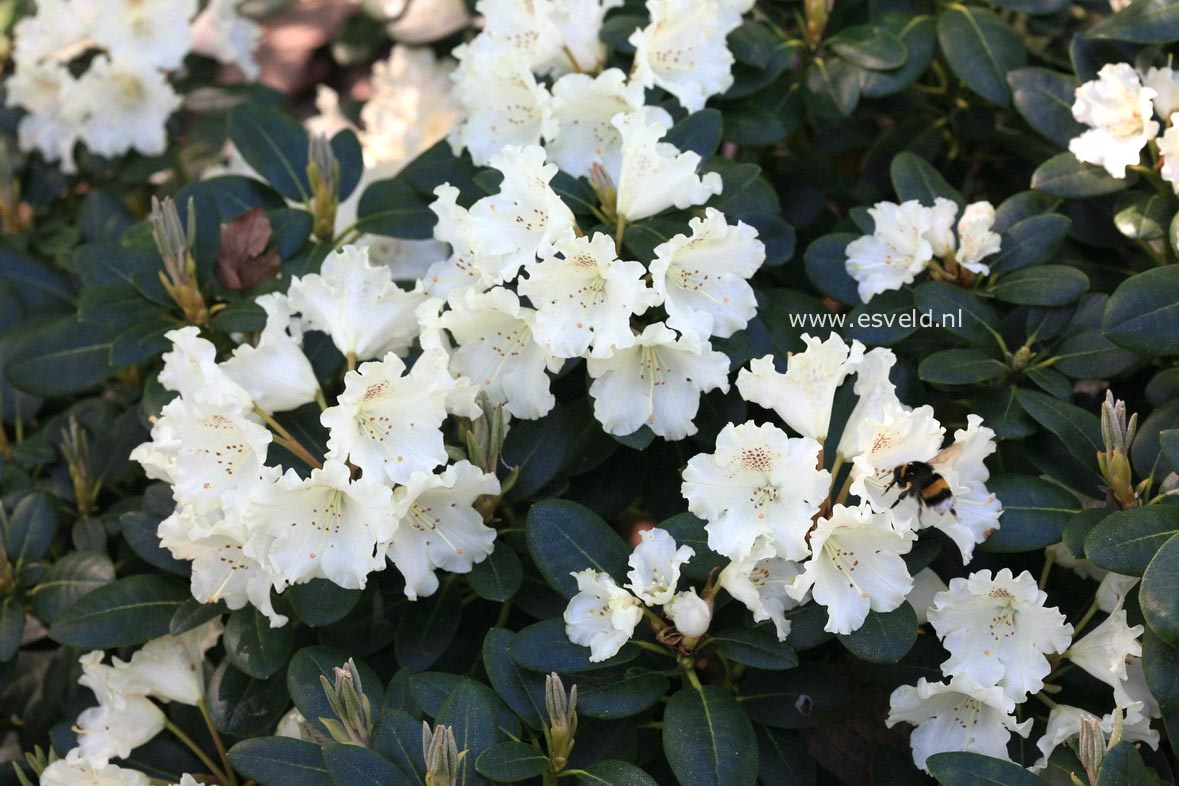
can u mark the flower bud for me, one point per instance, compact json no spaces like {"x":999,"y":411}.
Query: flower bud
{"x":1117,"y":434}
{"x":562,"y":714}
{"x":75,"y":447}
{"x":174,"y":244}
{"x":441,"y":755}
{"x":323,"y":172}
{"x":353,"y":724}
{"x":690,"y":613}
{"x":605,"y":190}
{"x":1091,"y":747}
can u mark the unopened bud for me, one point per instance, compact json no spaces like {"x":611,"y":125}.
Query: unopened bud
{"x":690,"y":614}
{"x":817,"y":13}
{"x":1091,"y":747}
{"x":604,"y":188}
{"x":75,"y":447}
{"x":484,"y":442}
{"x":353,"y":724}
{"x":562,"y":726}
{"x":1117,"y":434}
{"x":174,"y":244}
{"x":323,"y":172}
{"x":441,"y":755}
{"x":1022,"y":358}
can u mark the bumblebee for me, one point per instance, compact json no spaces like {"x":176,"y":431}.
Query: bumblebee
{"x":922,"y":482}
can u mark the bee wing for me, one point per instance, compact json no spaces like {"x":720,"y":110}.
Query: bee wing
{"x":948,"y":454}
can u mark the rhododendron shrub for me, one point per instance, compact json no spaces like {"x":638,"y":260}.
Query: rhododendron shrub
{"x":626,"y":392}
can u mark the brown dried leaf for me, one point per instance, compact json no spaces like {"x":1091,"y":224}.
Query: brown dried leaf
{"x":243,"y":259}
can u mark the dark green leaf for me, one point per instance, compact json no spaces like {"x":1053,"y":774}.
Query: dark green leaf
{"x":981,"y":49}
{"x":499,"y":576}
{"x":192,"y":613}
{"x":29,"y":528}
{"x":1029,"y":241}
{"x":62,"y":358}
{"x":507,"y":762}
{"x":959,"y":311}
{"x":1064,"y":176}
{"x":870,"y":47}
{"x":348,"y":152}
{"x":1143,"y":313}
{"x":68,"y":579}
{"x":253,"y":645}
{"x":619,"y":695}
{"x":800,"y":698}
{"x":757,"y":647}
{"x":708,"y":740}
{"x":1159,"y":594}
{"x":308,"y":665}
{"x":35,"y":282}
{"x":280,"y":761}
{"x":1122,"y":766}
{"x":394,"y":208}
{"x":1044,"y":99}
{"x":1142,"y":216}
{"x":472,"y":718}
{"x":275,"y":145}
{"x":1141,"y":22}
{"x":917,"y":34}
{"x":129,"y":611}
{"x":915,"y":178}
{"x":243,"y":706}
{"x":544,"y":647}
{"x":1042,"y":285}
{"x":960,"y":367}
{"x":351,"y":765}
{"x":1035,"y":512}
{"x":885,"y":637}
{"x":1127,"y":540}
{"x":320,"y":602}
{"x":427,"y":628}
{"x":613,"y":772}
{"x":519,"y":689}
{"x":975,"y":769}
{"x":565,"y":537}
{"x":12,"y":626}
{"x":1077,"y":428}
{"x":826,"y":267}
{"x":783,"y":759}
{"x":832,"y":87}
{"x":699,"y":132}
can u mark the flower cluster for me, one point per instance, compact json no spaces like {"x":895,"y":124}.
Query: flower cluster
{"x":247,"y":526}
{"x":778,"y":515}
{"x":1003,"y":642}
{"x":603,"y":616}
{"x":682,"y":51}
{"x":910,"y":238}
{"x":1119,"y":107}
{"x":167,"y":669}
{"x":123,"y":99}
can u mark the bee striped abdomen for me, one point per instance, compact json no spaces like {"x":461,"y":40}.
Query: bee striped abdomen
{"x":937,"y":495}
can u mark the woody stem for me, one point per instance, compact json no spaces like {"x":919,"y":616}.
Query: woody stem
{"x":287,"y":441}
{"x":204,"y":708}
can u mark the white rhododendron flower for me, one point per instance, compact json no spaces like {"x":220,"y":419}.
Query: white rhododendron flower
{"x":654,"y":176}
{"x":126,"y":103}
{"x":856,"y":567}
{"x":999,"y":630}
{"x":53,"y":122}
{"x":976,"y":240}
{"x":525,"y":218}
{"x":172,"y":668}
{"x":683,"y":49}
{"x":1112,"y":591}
{"x":579,"y":23}
{"x":275,"y":372}
{"x":895,"y":253}
{"x":761,"y":583}
{"x":323,"y":526}
{"x":585,"y":296}
{"x":802,"y":397}
{"x":190,"y":369}
{"x":914,"y":435}
{"x":207,"y":451}
{"x":438,"y":526}
{"x":455,"y":227}
{"x":498,"y":351}
{"x":926,"y":586}
{"x":222,"y":33}
{"x":1064,"y":726}
{"x":657,"y":382}
{"x":1165,"y":84}
{"x":124,"y":718}
{"x":154,"y":33}
{"x":703,"y":279}
{"x":1134,"y":694}
{"x":1107,"y":650}
{"x":358,"y":305}
{"x":1119,"y":112}
{"x":961,"y":715}
{"x":221,"y":570}
{"x":75,"y":770}
{"x":655,"y":567}
{"x":584,"y":107}
{"x":504,"y":103}
{"x":690,"y":613}
{"x":388,"y":422}
{"x":758,"y":484}
{"x":876,"y":395}
{"x":1169,"y":150}
{"x":602,"y":615}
